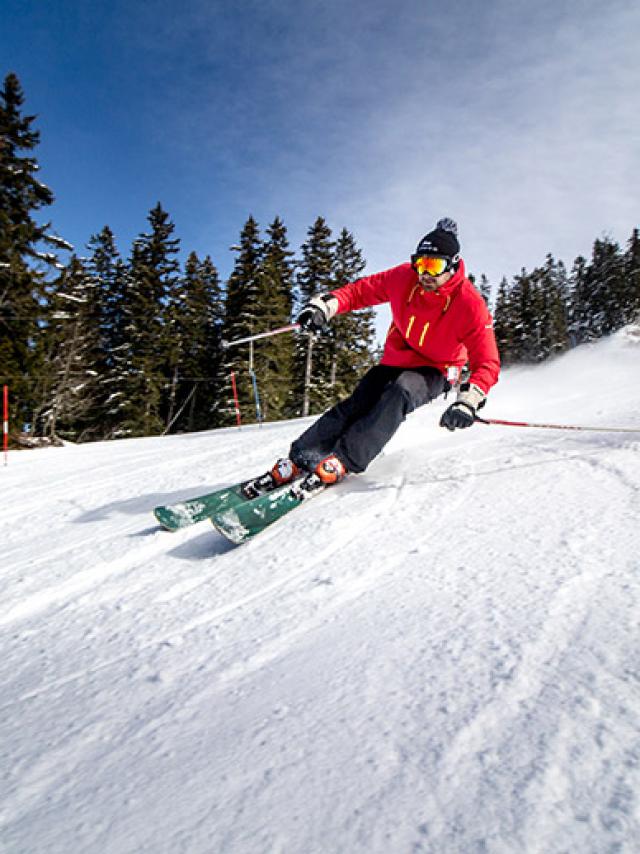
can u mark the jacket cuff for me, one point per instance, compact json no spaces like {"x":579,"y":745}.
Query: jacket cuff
{"x":331,"y":304}
{"x":471,"y":395}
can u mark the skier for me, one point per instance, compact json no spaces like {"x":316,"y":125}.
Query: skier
{"x":439,"y":323}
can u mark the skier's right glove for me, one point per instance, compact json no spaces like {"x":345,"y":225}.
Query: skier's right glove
{"x":316,"y":314}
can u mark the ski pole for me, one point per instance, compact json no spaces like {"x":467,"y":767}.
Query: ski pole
{"x":292,"y":327}
{"x":504,"y":423}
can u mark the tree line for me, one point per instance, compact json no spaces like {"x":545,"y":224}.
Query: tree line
{"x":550,"y":309}
{"x":108,"y":345}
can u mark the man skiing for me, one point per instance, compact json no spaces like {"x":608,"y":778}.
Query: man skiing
{"x":439,"y":323}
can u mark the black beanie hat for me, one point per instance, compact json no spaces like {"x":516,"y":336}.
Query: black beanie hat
{"x":443,"y":240}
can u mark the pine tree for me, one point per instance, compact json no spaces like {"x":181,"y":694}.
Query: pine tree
{"x":353,"y":334}
{"x":604,"y":286}
{"x":578,"y":311}
{"x":505,"y":323}
{"x":548,"y":320}
{"x":109,"y":277}
{"x":523,"y":318}
{"x":485,"y":289}
{"x":242,"y":318}
{"x":69,"y":382}
{"x":631,"y":308}
{"x":198,"y":328}
{"x":23,"y":264}
{"x":150,"y":287}
{"x":106,"y":268}
{"x":556,"y":305}
{"x":274,"y":356}
{"x":312,"y":391}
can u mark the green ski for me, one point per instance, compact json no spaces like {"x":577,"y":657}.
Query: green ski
{"x":184,"y":513}
{"x":244,"y":520}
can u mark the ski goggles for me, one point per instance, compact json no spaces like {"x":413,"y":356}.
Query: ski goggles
{"x":431,"y":265}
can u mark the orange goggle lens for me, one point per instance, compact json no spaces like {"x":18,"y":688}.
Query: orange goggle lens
{"x":430,"y":265}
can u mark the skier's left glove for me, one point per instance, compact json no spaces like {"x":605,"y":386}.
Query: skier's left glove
{"x":317,"y":313}
{"x":462,"y":413}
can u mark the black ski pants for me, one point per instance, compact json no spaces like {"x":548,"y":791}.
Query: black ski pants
{"x":359,"y":427}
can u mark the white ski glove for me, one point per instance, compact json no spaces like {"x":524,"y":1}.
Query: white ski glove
{"x":317,"y":313}
{"x":462,"y":413}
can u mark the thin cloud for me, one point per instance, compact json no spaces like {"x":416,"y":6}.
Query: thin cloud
{"x":534,"y":147}
{"x":533,"y":150}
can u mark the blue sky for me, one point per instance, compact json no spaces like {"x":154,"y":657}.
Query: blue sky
{"x":518,"y":119}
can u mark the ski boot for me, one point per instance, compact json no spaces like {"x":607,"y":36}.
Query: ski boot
{"x":330,"y":470}
{"x":284,"y":471}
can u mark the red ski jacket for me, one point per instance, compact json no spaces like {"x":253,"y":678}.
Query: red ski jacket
{"x":444,"y":328}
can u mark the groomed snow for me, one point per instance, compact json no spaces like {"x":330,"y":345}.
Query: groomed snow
{"x":441,"y":655}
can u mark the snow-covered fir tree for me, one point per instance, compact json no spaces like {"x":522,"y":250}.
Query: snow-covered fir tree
{"x":109,"y":276}
{"x":524,"y":315}
{"x":578,"y":324}
{"x":531,"y":314}
{"x":152,"y":278}
{"x":312,"y":390}
{"x":68,"y":383}
{"x":504,"y":323}
{"x":242,"y":318}
{"x":198,"y":329}
{"x":274,"y":356}
{"x":27,"y":250}
{"x":550,"y":298}
{"x":484,"y":287}
{"x":631,"y":310}
{"x":352,"y":334}
{"x":605,"y":288}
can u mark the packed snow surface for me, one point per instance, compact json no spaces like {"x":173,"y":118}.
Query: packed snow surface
{"x":440,"y":655}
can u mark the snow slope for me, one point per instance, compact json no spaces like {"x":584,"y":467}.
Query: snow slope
{"x":440,"y":655}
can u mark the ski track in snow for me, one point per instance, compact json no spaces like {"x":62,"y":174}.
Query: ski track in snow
{"x":103,"y":572}
{"x":439,"y":655}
